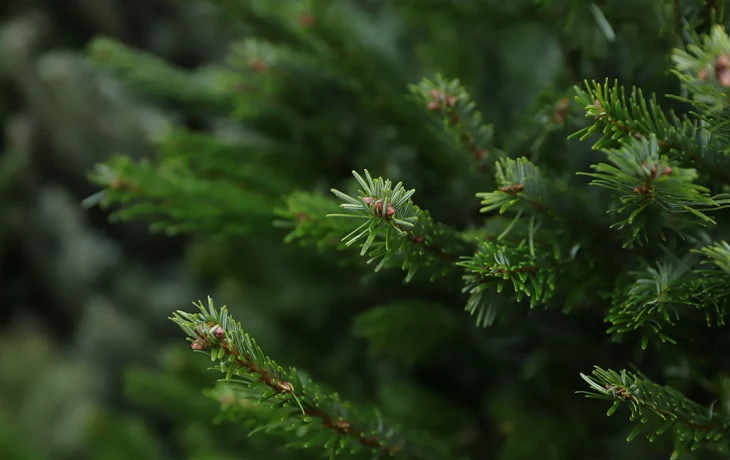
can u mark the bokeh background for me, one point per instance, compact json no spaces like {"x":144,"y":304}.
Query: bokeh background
{"x":81,"y":299}
{"x":90,"y":365}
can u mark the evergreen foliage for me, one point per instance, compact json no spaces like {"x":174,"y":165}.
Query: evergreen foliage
{"x":319,"y":418}
{"x":621,"y":241}
{"x":409,"y":232}
{"x":693,"y":423}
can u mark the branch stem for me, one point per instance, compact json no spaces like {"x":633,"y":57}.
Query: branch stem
{"x":339,"y":425}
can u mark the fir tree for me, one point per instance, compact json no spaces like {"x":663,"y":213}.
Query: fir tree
{"x":495,"y":259}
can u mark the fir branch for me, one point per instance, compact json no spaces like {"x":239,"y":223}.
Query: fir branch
{"x":208,"y":87}
{"x":620,"y":118}
{"x":395,"y":226}
{"x":321,"y":418}
{"x":176,"y":200}
{"x":703,"y":68}
{"x":719,"y":255}
{"x":644,"y":179}
{"x":650,"y":302}
{"x":531,"y":273}
{"x":304,"y":215}
{"x":524,"y":190}
{"x":713,"y":286}
{"x":458,"y":116}
{"x":270,"y":70}
{"x":519,"y":181}
{"x":693,"y":423}
{"x":704,"y":71}
{"x":253,"y":163}
{"x":656,"y":297}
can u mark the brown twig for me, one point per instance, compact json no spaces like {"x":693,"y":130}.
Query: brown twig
{"x":281,"y":387}
{"x":417,"y":239}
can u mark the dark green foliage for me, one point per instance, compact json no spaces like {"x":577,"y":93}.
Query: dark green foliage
{"x":619,"y":118}
{"x":305,"y":214}
{"x":658,"y":295}
{"x":115,"y":439}
{"x":406,"y":332}
{"x":651,"y":301}
{"x":319,"y":419}
{"x":701,"y":69}
{"x":177,"y":201}
{"x":620,"y":241}
{"x":395,"y":227}
{"x":642,"y":180}
{"x":463,"y":125}
{"x":657,"y":409}
{"x":520,"y":181}
{"x":206,"y":88}
{"x":518,"y":266}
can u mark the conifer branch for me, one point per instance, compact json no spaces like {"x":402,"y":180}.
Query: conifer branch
{"x":643,"y":179}
{"x":304,"y":214}
{"x":704,"y":70}
{"x":458,"y":116}
{"x":176,"y":200}
{"x":651,"y":299}
{"x":534,"y":258}
{"x":712,"y":291}
{"x":207,"y":87}
{"x":320,"y":418}
{"x":719,"y":255}
{"x":523,"y":189}
{"x":650,"y":302}
{"x":520,"y":181}
{"x":531,"y":273}
{"x":270,"y":72}
{"x":619,"y":117}
{"x":693,"y":423}
{"x":395,"y":226}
